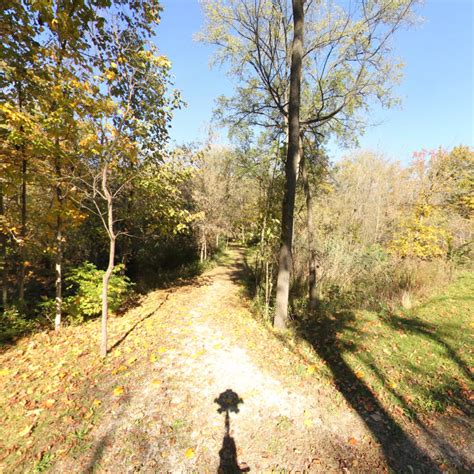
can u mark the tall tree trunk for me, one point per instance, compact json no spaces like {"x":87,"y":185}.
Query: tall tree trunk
{"x":23,"y":216}
{"x":3,"y":252}
{"x":21,"y":283}
{"x":291,"y":170}
{"x":105,"y":293}
{"x":58,"y":273}
{"x":312,"y":263}
{"x":110,"y":268}
{"x":59,"y":241}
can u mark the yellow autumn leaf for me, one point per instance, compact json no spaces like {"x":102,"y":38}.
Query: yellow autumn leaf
{"x":392,"y":385}
{"x":162,"y":350}
{"x":118,"y":391}
{"x":153,"y":358}
{"x":26,"y":431}
{"x":4,"y":372}
{"x":359,"y":374}
{"x":120,"y":368}
{"x":311,"y":370}
{"x":156,"y":383}
{"x":189,"y":453}
{"x":50,"y":402}
{"x":96,"y":403}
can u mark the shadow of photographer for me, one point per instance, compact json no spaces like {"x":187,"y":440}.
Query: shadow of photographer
{"x":228,"y":402}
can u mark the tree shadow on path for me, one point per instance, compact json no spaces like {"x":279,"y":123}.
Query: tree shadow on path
{"x":137,"y":323}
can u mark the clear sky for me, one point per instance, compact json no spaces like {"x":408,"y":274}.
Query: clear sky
{"x":437,"y":89}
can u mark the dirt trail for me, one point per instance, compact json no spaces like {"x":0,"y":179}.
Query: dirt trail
{"x":207,"y":343}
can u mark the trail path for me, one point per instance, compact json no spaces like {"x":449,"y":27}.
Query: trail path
{"x":204,"y":343}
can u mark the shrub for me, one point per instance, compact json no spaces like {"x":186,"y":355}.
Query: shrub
{"x":14,"y":324}
{"x":85,"y":284}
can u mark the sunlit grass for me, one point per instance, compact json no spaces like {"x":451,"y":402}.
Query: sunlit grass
{"x":417,"y":361}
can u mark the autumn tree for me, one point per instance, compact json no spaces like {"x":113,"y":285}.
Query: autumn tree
{"x":345,"y":63}
{"x":127,"y":126}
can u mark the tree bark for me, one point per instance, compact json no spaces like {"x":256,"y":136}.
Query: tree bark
{"x":110,"y":267}
{"x":105,"y":294}
{"x":58,"y":274}
{"x":291,"y":170}
{"x":23,"y":216}
{"x":312,"y":263}
{"x":59,"y":242}
{"x":3,"y":252}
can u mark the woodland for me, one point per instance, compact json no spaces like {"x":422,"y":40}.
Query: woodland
{"x":98,"y":210}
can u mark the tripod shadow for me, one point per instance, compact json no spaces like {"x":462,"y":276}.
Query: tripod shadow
{"x":229,"y":401}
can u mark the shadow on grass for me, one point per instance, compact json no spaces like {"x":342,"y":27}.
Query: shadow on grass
{"x":106,"y":441}
{"x":426,"y":330}
{"x":401,"y":451}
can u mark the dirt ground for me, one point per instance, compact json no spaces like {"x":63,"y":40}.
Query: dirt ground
{"x":222,"y":395}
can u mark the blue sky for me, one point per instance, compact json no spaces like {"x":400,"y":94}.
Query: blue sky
{"x":436,"y":92}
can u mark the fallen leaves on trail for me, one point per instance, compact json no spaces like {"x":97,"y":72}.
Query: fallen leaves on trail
{"x":311,"y":370}
{"x":189,"y":453}
{"x":118,"y":391}
{"x":26,"y":431}
{"x":308,"y":422}
{"x":307,"y":419}
{"x":49,"y":402}
{"x":120,"y":368}
{"x":56,"y":382}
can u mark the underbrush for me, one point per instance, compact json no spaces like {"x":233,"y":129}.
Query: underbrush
{"x":14,"y":324}
{"x":371,"y":278}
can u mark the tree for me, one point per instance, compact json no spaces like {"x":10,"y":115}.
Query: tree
{"x":291,"y":169}
{"x":127,"y":127}
{"x":345,"y":64}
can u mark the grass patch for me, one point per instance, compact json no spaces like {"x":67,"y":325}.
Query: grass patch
{"x":414,"y":362}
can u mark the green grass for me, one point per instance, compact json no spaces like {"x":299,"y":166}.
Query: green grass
{"x":417,"y":361}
